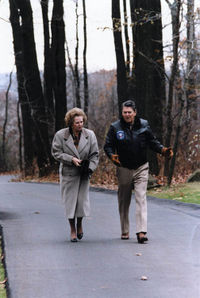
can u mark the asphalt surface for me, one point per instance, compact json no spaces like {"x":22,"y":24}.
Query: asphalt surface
{"x":41,"y":262}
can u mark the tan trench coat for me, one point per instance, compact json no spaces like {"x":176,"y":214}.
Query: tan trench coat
{"x":74,"y":189}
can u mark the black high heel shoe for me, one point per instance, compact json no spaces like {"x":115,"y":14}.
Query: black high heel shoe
{"x":141,"y":239}
{"x":79,"y":236}
{"x":74,"y":239}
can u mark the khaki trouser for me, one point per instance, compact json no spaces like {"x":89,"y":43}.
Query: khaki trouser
{"x":126,"y":179}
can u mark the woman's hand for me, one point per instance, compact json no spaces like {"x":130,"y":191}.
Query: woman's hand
{"x":76,"y":161}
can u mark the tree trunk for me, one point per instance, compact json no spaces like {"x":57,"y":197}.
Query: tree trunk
{"x":177,"y":133}
{"x":20,"y":137}
{"x":121,"y":67}
{"x":33,"y":87}
{"x":191,"y":95}
{"x":86,"y":92}
{"x":48,"y":72}
{"x":127,"y":41}
{"x":73,"y":78}
{"x":148,"y":71}
{"x":27,"y":122}
{"x":58,"y":58}
{"x":76,"y":68}
{"x":175,"y":11}
{"x":5,"y":124}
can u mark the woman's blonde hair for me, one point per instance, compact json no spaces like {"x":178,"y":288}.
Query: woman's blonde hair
{"x":71,"y":114}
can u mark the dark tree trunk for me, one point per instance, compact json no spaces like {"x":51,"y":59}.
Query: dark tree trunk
{"x":20,"y":136}
{"x":76,"y":67}
{"x":126,"y":39}
{"x":5,"y":124}
{"x":58,"y":58}
{"x":33,"y":86}
{"x":190,"y":80}
{"x":121,"y":67}
{"x":177,"y":132}
{"x":48,"y":72}
{"x":148,"y":71}
{"x":27,"y":122}
{"x":73,"y":78}
{"x":175,"y":12}
{"x":86,"y":93}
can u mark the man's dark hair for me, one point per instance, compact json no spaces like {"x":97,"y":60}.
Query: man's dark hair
{"x":129,"y":103}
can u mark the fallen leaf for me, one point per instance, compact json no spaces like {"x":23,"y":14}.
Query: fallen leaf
{"x":4,"y":281}
{"x":179,"y":198}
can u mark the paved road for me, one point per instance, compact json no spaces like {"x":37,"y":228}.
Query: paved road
{"x":42,"y":262}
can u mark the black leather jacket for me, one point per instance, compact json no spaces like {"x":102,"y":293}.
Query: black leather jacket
{"x":131,"y":143}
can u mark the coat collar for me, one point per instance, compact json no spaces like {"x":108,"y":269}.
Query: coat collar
{"x":83,"y":140}
{"x":70,"y":142}
{"x":67,"y":133}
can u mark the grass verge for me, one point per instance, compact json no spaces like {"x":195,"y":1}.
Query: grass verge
{"x":188,"y":192}
{"x":3,"y":279}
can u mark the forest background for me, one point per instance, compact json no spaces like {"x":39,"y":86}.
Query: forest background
{"x":154,"y":49}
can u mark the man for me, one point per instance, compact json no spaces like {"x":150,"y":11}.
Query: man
{"x":126,"y":145}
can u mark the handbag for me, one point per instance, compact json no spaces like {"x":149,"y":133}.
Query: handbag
{"x":84,"y":168}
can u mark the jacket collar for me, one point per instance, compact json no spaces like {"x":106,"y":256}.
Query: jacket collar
{"x":136,"y":124}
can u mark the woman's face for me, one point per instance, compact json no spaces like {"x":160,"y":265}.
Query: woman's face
{"x":77,"y":124}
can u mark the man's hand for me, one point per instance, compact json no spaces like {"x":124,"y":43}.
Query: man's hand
{"x":115,"y":159}
{"x":167,"y":152}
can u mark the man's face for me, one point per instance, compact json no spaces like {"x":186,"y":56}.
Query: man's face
{"x":77,"y":124}
{"x":128,"y":114}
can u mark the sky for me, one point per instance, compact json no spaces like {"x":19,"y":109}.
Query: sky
{"x":100,"y":48}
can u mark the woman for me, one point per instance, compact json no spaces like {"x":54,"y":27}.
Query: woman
{"x":76,"y":148}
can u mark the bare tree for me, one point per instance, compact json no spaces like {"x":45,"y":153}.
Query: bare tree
{"x":175,"y":12}
{"x":86,"y":92}
{"x":76,"y":67}
{"x":127,"y":40}
{"x":179,"y":92}
{"x":148,"y":72}
{"x":32,"y":85}
{"x":58,"y":60}
{"x":5,"y":122}
{"x":122,"y":90}
{"x":184,"y":86}
{"x":191,"y":61}
{"x":27,"y":121}
{"x":48,"y":71}
{"x":20,"y":137}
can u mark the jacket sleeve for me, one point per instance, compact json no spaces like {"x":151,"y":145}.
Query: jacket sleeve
{"x":94,"y":153}
{"x":153,"y":142}
{"x":57,"y":150}
{"x":110,"y":144}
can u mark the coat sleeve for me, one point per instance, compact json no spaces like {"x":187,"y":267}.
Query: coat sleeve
{"x":153,"y":142}
{"x":93,"y":153}
{"x":110,"y":143}
{"x":57,"y":150}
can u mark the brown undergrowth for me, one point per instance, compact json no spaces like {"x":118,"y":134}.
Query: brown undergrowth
{"x":104,"y":176}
